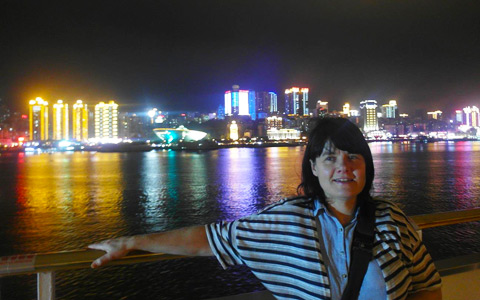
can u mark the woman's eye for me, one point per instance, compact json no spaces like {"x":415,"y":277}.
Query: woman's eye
{"x":329,"y":158}
{"x":353,"y":156}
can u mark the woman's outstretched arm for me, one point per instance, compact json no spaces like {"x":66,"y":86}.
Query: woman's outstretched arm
{"x":191,"y":241}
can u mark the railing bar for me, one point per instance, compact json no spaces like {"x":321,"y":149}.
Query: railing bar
{"x":46,"y":286}
{"x":446,"y":218}
{"x":35,"y":263}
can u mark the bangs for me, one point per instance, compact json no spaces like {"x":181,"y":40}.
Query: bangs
{"x":342,"y":138}
{"x":352,"y":143}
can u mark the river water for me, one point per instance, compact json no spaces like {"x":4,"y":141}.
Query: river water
{"x":64,"y":201}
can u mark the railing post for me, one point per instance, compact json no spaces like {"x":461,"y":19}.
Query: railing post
{"x":46,"y":285}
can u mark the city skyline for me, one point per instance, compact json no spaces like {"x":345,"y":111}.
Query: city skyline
{"x":353,"y":105}
{"x":186,"y":54}
{"x":110,"y":126}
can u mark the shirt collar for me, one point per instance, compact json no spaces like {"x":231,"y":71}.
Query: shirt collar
{"x":319,"y":207}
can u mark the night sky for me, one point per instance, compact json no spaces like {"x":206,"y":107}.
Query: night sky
{"x":183,"y":55}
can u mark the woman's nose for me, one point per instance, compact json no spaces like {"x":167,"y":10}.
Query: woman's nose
{"x":343,"y":163}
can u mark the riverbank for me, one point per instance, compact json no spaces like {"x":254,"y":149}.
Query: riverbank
{"x":142,"y":147}
{"x":200,"y":145}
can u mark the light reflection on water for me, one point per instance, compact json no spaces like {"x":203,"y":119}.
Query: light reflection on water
{"x":427,"y":178}
{"x":63,"y":201}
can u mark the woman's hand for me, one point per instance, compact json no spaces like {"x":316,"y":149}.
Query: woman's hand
{"x":115,"y":248}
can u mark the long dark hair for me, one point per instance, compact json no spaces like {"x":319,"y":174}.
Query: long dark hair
{"x":345,"y":136}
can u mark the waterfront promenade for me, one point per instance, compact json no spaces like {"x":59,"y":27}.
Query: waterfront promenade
{"x":65,"y":200}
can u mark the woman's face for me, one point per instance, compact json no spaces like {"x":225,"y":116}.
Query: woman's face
{"x":340,"y":174}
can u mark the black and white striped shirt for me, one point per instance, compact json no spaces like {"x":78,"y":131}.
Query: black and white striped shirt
{"x":280,"y":245}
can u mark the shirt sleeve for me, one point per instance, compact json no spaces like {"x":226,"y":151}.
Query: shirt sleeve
{"x":423,"y":271}
{"x":221,"y":237}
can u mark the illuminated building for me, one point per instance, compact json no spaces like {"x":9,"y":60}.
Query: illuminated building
{"x":296,"y":101}
{"x":60,"y":121}
{"x":283,"y":134}
{"x":354,"y":113}
{"x":240,"y":102}
{"x":251,"y":105}
{"x":106,"y":120}
{"x":471,"y":116}
{"x":174,"y":135}
{"x":436,"y":115}
{"x":322,"y":108}
{"x":262,"y":103}
{"x":232,"y":101}
{"x":369,"y":113}
{"x":266,"y":103}
{"x":80,"y":121}
{"x":234,"y":131}
{"x":459,"y":116}
{"x":346,"y":109}
{"x":243,"y":109}
{"x":475,"y":115}
{"x":38,"y":119}
{"x":274,"y":122}
{"x":221,"y":112}
{"x":390,"y":110}
{"x":228,"y":103}
{"x":273,"y":102}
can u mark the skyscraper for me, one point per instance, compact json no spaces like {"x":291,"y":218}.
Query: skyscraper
{"x":369,"y":114}
{"x":106,"y":120}
{"x":459,"y":116}
{"x":472,"y":116}
{"x":296,"y":101}
{"x":266,"y":104}
{"x":239,"y":102}
{"x":243,"y":103}
{"x":228,"y":103}
{"x":80,"y":121}
{"x":232,"y":101}
{"x":252,"y":105}
{"x":390,"y":110}
{"x":38,"y":119}
{"x":60,"y":121}
{"x":273,"y":102}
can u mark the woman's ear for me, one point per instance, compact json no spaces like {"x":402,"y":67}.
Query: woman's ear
{"x":314,"y":167}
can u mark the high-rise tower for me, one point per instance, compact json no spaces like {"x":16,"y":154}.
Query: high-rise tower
{"x":239,"y":102}
{"x":273,"y":108}
{"x":80,"y":121}
{"x":60,"y":121}
{"x":472,"y":116}
{"x":106,"y":120}
{"x":38,"y":119}
{"x":390,"y":110}
{"x":296,"y":101}
{"x":369,"y":113}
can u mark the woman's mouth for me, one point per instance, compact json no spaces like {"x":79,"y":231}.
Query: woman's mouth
{"x":343,"y":180}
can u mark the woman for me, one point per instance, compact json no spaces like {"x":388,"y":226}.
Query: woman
{"x":300,"y":248}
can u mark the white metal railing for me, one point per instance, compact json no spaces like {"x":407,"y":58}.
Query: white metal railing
{"x":46,"y":264}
